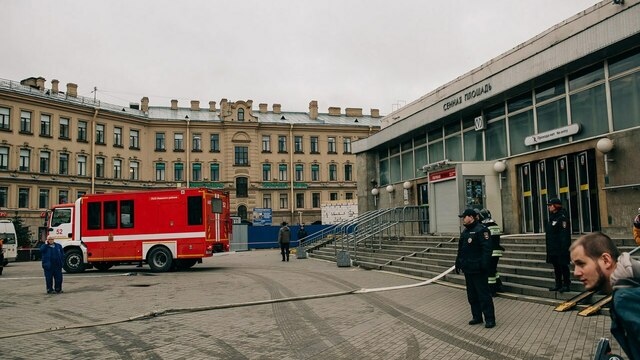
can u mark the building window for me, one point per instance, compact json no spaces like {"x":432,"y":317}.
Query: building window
{"x":299,"y":172}
{"x":82,"y":165}
{"x":196,"y":172}
{"x":100,"y":134}
{"x":160,"y":145}
{"x":117,"y":136}
{"x":134,"y":170}
{"x":80,"y":194}
{"x":241,"y":155}
{"x":4,"y":158}
{"x":346,"y":145}
{"x":215,"y":142}
{"x":64,"y":128}
{"x":25,"y":159}
{"x":333,"y":196}
{"x":63,"y":196}
{"x":160,"y":172}
{"x":297,"y":143}
{"x":178,"y":171}
{"x":266,"y":201}
{"x":23,"y":197}
{"x":315,"y":200}
{"x":266,"y":143}
{"x":44,"y":162}
{"x":266,"y":172}
{"x":63,"y":164}
{"x":5,"y":116}
{"x":242,"y":185}
{"x":178,"y":142}
{"x":315,"y":172}
{"x":196,"y":142}
{"x":43,"y":199}
{"x":45,"y":125}
{"x":25,"y":122}
{"x":331,"y":145}
{"x":284,"y":201}
{"x":4,"y":193}
{"x":282,"y":144}
{"x":300,"y":201}
{"x":134,"y":139}
{"x":348,"y":172}
{"x":215,"y":172}
{"x":100,"y":167}
{"x":314,"y":145}
{"x":82,"y":131}
{"x":282,"y":172}
{"x":348,"y":196}
{"x":117,"y":168}
{"x":242,"y":212}
{"x":333,"y":172}
{"x":240,"y":114}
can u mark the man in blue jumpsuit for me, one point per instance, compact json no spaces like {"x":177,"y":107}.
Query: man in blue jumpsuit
{"x":52,"y":260}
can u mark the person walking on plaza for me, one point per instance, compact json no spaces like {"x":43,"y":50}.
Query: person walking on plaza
{"x":52,"y":260}
{"x":636,"y":228}
{"x":495,"y":284}
{"x":600,"y":266}
{"x":558,"y":239}
{"x":284,"y":237}
{"x":473,"y":258}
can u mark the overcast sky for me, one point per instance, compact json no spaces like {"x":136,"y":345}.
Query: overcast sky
{"x":346,"y":53}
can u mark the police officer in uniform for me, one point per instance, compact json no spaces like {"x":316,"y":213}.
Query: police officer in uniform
{"x":474,"y":258}
{"x":495,"y":284}
{"x":558,"y":239}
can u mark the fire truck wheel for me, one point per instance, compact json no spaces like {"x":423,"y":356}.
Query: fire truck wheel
{"x":186,"y":263}
{"x":73,"y":261}
{"x":160,"y":259}
{"x":102,"y":266}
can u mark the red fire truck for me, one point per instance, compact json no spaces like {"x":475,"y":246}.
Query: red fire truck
{"x":168,"y":229}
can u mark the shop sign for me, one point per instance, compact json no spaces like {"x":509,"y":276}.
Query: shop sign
{"x":442,"y":175}
{"x":3,"y":214}
{"x":552,"y":134}
{"x":208,"y":185}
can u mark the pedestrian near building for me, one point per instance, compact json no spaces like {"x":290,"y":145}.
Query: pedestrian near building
{"x":495,"y":283}
{"x":1,"y":257}
{"x":473,"y":259}
{"x":301,"y":232}
{"x":600,"y":266}
{"x":636,"y":228}
{"x":52,"y":260}
{"x":284,"y":238}
{"x":558,"y":240}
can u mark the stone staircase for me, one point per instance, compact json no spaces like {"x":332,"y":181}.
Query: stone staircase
{"x":523,"y":269}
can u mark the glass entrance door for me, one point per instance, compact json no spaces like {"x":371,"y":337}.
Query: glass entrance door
{"x":526,"y":187}
{"x":423,"y":201}
{"x":543,"y":196}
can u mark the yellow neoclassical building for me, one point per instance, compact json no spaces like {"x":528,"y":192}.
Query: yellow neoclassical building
{"x":56,"y":146}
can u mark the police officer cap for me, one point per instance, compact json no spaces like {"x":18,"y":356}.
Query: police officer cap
{"x":468,"y":212}
{"x":554,"y":201}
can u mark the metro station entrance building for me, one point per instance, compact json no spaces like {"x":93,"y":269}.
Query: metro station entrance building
{"x":557,"y":116}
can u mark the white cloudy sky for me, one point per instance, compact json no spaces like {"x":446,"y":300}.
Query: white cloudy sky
{"x":346,"y":53}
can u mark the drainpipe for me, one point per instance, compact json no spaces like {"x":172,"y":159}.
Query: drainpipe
{"x":93,"y":151}
{"x":291,"y":170}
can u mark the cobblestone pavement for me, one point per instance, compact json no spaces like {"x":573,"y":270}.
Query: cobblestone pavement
{"x":427,"y":322}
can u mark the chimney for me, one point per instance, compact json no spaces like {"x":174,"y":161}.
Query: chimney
{"x":144,"y":104}
{"x":174,"y":104}
{"x":195,"y":105}
{"x":375,"y":113}
{"x":276,"y":108}
{"x":313,"y":110}
{"x":72,"y":90}
{"x":40,"y":83}
{"x":54,"y":86}
{"x":263,"y":108}
{"x":353,"y":111}
{"x":223,"y":105}
{"x":212,"y":106}
{"x":334,"y":111}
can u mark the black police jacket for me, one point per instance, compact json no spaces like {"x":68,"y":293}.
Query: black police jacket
{"x":558,"y":237}
{"x":474,"y":249}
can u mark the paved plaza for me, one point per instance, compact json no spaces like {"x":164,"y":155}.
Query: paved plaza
{"x":426,"y":322}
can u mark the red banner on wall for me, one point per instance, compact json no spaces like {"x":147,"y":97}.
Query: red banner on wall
{"x":442,"y":175}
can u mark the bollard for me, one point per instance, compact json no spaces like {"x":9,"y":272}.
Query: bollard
{"x":301,"y":253}
{"x":343,"y":259}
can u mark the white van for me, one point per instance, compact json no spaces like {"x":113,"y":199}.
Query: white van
{"x":9,"y":240}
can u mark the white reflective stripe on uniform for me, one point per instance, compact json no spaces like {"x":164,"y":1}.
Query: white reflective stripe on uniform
{"x":163,"y":236}
{"x":496,"y":253}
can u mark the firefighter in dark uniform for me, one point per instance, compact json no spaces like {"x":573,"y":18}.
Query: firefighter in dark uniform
{"x":474,"y":258}
{"x":558,"y":239}
{"x":495,"y":284}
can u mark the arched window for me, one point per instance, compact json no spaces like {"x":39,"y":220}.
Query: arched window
{"x":242,"y":212}
{"x":240,"y":114}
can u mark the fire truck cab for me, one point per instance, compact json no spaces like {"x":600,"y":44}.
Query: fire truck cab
{"x":167,"y":229}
